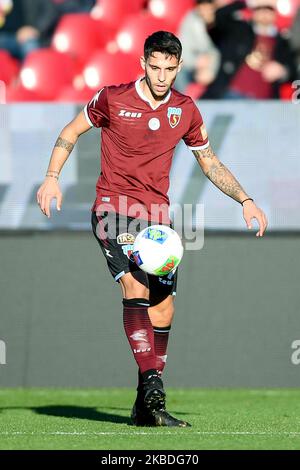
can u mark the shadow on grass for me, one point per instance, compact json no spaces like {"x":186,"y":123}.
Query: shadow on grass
{"x":79,"y":412}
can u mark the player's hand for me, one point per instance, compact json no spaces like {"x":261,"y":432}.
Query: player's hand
{"x":49,"y":190}
{"x":251,"y":211}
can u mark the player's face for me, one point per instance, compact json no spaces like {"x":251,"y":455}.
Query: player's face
{"x":160,"y":73}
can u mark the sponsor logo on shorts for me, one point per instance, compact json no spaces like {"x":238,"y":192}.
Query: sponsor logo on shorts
{"x":125,"y":238}
{"x":127,"y":250}
{"x":165,"y":281}
{"x":174,"y":115}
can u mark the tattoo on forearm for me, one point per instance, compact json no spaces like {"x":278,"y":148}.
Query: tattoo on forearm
{"x":206,"y":153}
{"x":218,"y":173}
{"x":65,"y":144}
{"x":224,"y":180}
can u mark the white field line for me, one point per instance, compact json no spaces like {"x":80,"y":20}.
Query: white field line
{"x":145,"y":433}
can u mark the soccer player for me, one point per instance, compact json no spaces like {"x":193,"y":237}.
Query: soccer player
{"x":141,"y":123}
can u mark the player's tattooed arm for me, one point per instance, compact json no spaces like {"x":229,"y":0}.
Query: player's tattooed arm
{"x":221,"y":177}
{"x":219,"y":174}
{"x":65,"y":144}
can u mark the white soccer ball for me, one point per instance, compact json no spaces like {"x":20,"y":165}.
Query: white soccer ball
{"x":157,"y":250}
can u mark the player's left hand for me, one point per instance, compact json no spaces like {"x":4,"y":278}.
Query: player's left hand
{"x":251,"y":211}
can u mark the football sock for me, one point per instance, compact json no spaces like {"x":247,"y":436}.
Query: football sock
{"x":139,"y":332}
{"x":161,"y":337}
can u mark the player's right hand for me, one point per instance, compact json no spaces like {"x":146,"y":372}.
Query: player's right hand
{"x":47,"y":191}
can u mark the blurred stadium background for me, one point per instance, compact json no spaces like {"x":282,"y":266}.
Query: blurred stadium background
{"x":238,"y":298}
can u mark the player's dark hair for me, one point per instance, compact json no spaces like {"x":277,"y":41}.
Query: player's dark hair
{"x":164,"y":42}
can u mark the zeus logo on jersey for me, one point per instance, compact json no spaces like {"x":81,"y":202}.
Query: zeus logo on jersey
{"x":174,"y":115}
{"x":129,"y":114}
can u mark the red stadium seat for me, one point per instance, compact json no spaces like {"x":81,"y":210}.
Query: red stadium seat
{"x":171,"y":11}
{"x":46,"y":71}
{"x":9,"y":67}
{"x":286,"y":12}
{"x":17,"y":93}
{"x":111,"y":69}
{"x":113,"y":12}
{"x":80,"y":35}
{"x":136,"y":28}
{"x":70,"y":94}
{"x":286,"y":92}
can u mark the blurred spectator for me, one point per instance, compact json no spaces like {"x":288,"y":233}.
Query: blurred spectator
{"x":26,"y":25}
{"x":74,"y":6}
{"x":295,"y":40}
{"x":201,"y":58}
{"x":256,"y":59}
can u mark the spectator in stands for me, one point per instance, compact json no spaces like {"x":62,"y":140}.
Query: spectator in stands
{"x":73,"y":6}
{"x":29,"y":24}
{"x":201,"y":58}
{"x":26,"y":25}
{"x":256,"y":59}
{"x":295,"y":40}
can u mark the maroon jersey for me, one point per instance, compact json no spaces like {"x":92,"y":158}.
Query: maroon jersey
{"x":137,"y":146}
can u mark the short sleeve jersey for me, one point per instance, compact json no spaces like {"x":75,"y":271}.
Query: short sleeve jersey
{"x":137,"y":145}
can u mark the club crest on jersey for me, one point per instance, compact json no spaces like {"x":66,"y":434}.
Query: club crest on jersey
{"x":174,"y":115}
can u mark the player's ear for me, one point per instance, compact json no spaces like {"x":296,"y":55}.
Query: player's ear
{"x":180,"y":65}
{"x":143,"y":62}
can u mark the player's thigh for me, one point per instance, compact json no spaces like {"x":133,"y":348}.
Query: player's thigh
{"x":162,"y":287}
{"x":133,"y":287}
{"x":116,"y":243}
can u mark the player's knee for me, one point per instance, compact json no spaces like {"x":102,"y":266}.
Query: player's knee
{"x":163,"y":312}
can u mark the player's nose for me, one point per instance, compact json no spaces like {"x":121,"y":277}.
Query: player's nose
{"x":162,"y":76}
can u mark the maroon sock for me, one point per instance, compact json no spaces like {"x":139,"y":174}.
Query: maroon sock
{"x":161,"y":337}
{"x":139,"y":332}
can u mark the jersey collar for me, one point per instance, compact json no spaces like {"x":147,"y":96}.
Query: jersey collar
{"x":144,"y":97}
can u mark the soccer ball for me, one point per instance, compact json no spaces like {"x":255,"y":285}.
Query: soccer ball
{"x":157,"y":250}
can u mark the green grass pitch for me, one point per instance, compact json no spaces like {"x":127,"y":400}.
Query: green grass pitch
{"x":99,"y":419}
